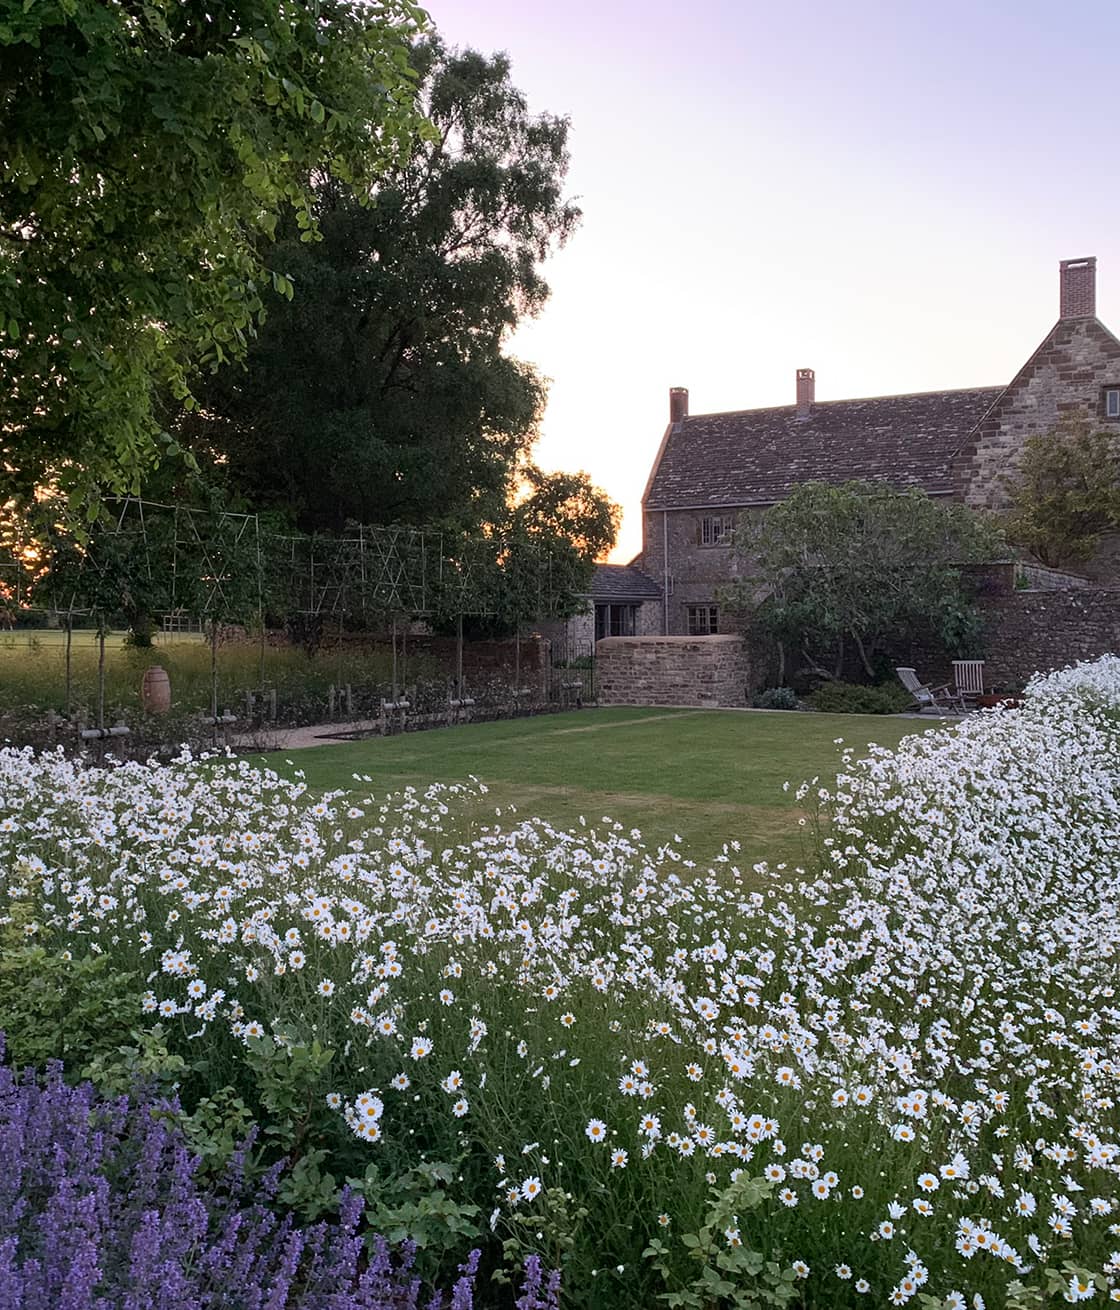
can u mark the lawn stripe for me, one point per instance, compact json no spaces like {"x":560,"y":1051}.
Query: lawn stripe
{"x":623,"y":723}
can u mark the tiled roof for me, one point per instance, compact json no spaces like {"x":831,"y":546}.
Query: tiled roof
{"x":622,"y":582}
{"x":757,"y":456}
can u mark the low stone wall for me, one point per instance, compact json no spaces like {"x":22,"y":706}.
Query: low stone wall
{"x":1037,"y":577}
{"x":672,"y":670}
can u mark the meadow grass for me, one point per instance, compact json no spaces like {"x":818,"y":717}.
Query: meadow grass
{"x":707,"y":776}
{"x":33,"y":672}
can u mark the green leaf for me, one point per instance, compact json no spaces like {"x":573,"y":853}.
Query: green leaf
{"x":192,"y":231}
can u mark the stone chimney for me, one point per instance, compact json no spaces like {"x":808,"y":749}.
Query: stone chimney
{"x":806,"y":391}
{"x":1078,"y":279}
{"x":678,"y":404}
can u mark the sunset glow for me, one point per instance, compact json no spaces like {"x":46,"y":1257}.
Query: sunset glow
{"x":881,"y":192}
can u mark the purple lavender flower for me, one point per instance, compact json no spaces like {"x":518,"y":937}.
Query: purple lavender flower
{"x":102,"y":1208}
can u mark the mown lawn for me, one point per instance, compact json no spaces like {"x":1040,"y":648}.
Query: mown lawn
{"x":709,"y":776}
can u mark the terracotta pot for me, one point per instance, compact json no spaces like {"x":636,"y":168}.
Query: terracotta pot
{"x":155,"y":690}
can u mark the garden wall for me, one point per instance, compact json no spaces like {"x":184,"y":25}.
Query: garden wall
{"x":1029,"y":632}
{"x":672,"y":670}
{"x":1038,"y":631}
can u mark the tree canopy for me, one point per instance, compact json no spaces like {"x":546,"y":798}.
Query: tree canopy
{"x":841,"y":572}
{"x":148,"y":151}
{"x":383,"y":391}
{"x":1066,"y":494}
{"x":550,"y":538}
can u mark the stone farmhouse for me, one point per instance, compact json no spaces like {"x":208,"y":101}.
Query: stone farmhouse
{"x":709,"y":468}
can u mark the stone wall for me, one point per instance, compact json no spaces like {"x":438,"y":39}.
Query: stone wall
{"x":1037,"y":577}
{"x":1104,"y":566}
{"x":1038,"y":631}
{"x":672,"y":670}
{"x":696,"y":572}
{"x":1062,"y":379}
{"x":1029,"y":632}
{"x":569,"y":633}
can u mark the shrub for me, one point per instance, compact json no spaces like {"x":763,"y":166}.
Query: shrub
{"x":55,"y":1006}
{"x":101,"y":1209}
{"x":776,"y":698}
{"x":852,"y":698}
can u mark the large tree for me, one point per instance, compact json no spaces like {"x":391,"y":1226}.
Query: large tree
{"x":840,"y":573}
{"x":534,"y":561}
{"x":1066,"y":494}
{"x":383,"y":392}
{"x":148,"y":150}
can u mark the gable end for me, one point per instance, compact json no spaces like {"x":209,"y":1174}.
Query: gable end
{"x":1062,"y":378}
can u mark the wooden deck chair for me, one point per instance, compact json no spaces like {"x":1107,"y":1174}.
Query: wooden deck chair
{"x":931,"y":698}
{"x":968,"y":675}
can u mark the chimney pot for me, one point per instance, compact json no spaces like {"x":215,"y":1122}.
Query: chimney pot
{"x":1078,"y":278}
{"x":806,"y":392}
{"x":678,"y":404}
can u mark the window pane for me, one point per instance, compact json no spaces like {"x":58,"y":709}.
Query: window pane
{"x":703,"y":620}
{"x":1112,"y":403}
{"x":717,"y":529}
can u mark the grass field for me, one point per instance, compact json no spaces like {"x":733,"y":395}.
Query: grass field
{"x":33,"y":672}
{"x":708,"y":775}
{"x":18,"y":640}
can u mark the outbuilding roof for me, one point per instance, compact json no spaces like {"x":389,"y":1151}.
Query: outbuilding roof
{"x":622,"y":583}
{"x":758,"y":456}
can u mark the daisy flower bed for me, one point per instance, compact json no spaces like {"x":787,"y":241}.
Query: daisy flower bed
{"x":890,"y":1077}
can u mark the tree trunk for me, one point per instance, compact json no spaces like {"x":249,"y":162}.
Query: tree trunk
{"x":816,"y":667}
{"x":863,"y":656}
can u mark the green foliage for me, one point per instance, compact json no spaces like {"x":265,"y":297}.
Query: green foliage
{"x":216,"y":1127}
{"x":776,"y":698}
{"x":727,"y":1272}
{"x":290,"y":1083}
{"x":289,"y":1086}
{"x":55,"y":1007}
{"x":149,"y":153}
{"x":1071,"y":1282}
{"x":552,"y":1229}
{"x":418,"y":1206}
{"x":853,"y":698}
{"x":565,"y":507}
{"x":537,"y":559}
{"x":382,"y":392}
{"x":840,"y":572}
{"x":146,"y":1058}
{"x":125,"y":564}
{"x":1066,"y":494}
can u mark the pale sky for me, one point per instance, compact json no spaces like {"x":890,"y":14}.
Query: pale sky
{"x":878,"y":191}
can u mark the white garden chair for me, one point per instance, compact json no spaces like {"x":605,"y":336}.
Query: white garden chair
{"x":931,"y":698}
